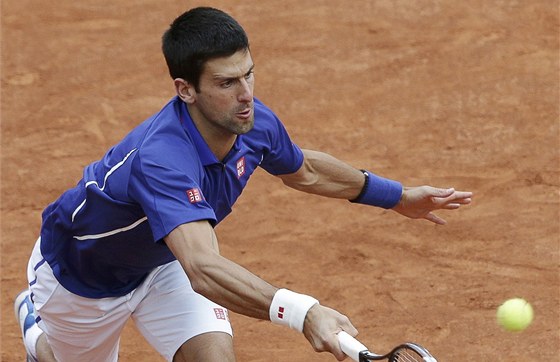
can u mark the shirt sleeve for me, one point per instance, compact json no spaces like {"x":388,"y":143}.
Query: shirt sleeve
{"x":169,"y":192}
{"x":284,"y":156}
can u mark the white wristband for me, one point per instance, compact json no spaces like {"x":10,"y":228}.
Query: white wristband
{"x":289,"y":308}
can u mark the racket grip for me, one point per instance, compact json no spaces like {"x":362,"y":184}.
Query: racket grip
{"x":350,"y":346}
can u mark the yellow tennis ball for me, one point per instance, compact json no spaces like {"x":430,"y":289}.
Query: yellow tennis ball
{"x":515,"y":314}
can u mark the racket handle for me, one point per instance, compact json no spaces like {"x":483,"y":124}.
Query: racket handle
{"x":350,"y":346}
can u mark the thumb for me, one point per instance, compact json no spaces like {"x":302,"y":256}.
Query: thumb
{"x":435,"y":219}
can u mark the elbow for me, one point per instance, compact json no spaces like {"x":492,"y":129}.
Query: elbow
{"x":200,"y":274}
{"x":303,"y":179}
{"x":196,"y":275}
{"x":199,"y":286}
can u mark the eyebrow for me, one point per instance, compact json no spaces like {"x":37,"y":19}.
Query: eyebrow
{"x":222,"y":78}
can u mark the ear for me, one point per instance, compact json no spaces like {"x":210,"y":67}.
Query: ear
{"x":185,"y":90}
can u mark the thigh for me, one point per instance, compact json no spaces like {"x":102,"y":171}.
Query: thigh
{"x":77,"y":328}
{"x":208,"y":347}
{"x":82,"y":329}
{"x":170,"y":312}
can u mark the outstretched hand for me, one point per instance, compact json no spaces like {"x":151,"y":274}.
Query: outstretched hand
{"x":419,"y":202}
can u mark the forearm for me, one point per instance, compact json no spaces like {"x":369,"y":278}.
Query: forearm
{"x":233,"y":286}
{"x":324,"y":175}
{"x":217,"y":278}
{"x":239,"y":290}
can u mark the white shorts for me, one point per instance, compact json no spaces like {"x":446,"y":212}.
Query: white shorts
{"x":165,"y":309}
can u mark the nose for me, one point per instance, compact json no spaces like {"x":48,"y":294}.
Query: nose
{"x":246,"y":91}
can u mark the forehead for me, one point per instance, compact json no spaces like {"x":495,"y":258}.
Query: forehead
{"x":235,"y":65}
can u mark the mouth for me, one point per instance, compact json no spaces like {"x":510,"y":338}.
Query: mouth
{"x":246,"y":113}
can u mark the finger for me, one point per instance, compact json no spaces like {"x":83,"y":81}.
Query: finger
{"x":437,"y":192}
{"x":451,"y":200}
{"x":455,"y":204}
{"x":349,"y":328}
{"x":455,"y":195}
{"x":343,"y":357}
{"x":337,"y":352}
{"x":333,"y":346}
{"x":340,"y":356}
{"x":462,"y":195}
{"x":435,"y":219}
{"x":451,"y":206}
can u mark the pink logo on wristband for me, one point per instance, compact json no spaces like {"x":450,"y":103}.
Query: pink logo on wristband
{"x":281,"y":312}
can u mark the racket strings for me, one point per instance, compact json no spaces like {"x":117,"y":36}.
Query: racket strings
{"x":406,"y":355}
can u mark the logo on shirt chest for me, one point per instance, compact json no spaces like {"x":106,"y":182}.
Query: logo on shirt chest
{"x":194,"y":195}
{"x":240,"y":167}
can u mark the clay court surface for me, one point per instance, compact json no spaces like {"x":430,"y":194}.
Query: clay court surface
{"x":447,"y":93}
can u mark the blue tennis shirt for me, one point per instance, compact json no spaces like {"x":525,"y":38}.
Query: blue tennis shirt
{"x":102,"y":237}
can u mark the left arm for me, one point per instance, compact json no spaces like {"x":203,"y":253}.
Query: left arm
{"x":324,"y":175}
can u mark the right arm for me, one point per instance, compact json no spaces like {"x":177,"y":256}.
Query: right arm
{"x":195,"y":246}
{"x":219,"y":279}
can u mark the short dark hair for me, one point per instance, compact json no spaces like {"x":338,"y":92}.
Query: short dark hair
{"x":199,"y":35}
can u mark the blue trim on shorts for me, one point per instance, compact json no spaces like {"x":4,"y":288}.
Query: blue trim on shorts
{"x":38,"y":265}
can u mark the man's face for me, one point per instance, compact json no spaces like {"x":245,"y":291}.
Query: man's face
{"x":225,"y":97}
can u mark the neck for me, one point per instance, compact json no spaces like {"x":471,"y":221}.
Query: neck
{"x":219,"y":140}
{"x":220,"y":148}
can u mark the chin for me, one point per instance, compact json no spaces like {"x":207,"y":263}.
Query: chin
{"x":246,"y":126}
{"x":244,"y":130}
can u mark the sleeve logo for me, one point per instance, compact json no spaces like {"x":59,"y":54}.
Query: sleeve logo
{"x":194,"y":195}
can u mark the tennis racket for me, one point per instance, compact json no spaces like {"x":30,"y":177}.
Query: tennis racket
{"x":406,"y":352}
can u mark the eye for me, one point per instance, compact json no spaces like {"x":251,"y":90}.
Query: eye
{"x":249,"y":75}
{"x":226,"y":84}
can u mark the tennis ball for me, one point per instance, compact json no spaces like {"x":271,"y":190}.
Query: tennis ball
{"x":515,"y":314}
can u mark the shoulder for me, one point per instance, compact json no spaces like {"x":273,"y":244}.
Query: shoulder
{"x":265,"y":119}
{"x":263,"y":111}
{"x":164,"y":130}
{"x":163,"y":139}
